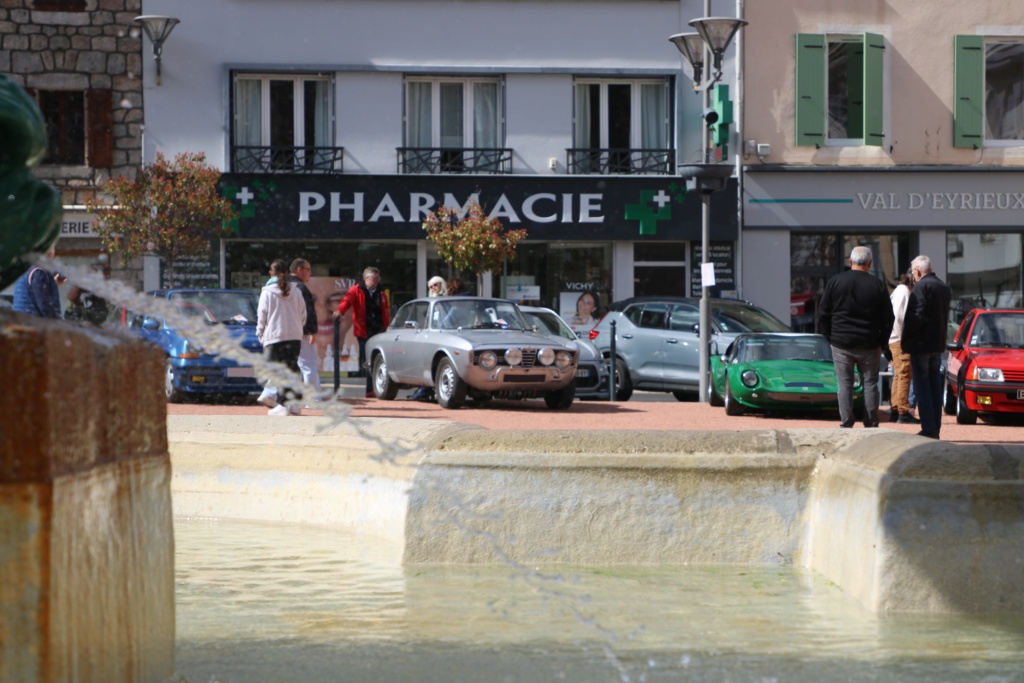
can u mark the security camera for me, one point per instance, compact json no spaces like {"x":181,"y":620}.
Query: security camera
{"x":710,"y":116}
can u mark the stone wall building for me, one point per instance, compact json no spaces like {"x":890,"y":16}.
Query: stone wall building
{"x":82,"y":62}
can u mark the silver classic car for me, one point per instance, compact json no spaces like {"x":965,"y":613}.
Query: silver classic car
{"x":471,"y":347}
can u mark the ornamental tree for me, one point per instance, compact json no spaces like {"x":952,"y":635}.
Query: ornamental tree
{"x":468,"y":239}
{"x":172,"y":210}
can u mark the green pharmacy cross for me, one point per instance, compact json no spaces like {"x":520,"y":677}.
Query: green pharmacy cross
{"x":654,"y":206}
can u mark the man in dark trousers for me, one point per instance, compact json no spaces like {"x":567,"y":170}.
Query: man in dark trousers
{"x":371,"y":315}
{"x":924,"y":338}
{"x":855,"y":315}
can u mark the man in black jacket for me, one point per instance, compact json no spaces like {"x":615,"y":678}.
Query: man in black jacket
{"x":309,"y":361}
{"x":924,"y":338}
{"x":856,"y":317}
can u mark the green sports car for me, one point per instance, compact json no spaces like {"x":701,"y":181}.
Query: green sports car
{"x":778,"y":372}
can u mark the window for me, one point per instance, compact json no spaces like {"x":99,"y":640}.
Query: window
{"x":987,"y":271}
{"x":59,"y":5}
{"x":79,"y":126}
{"x":453,"y":115}
{"x":284,"y":123}
{"x":839,"y":92}
{"x":621,"y":127}
{"x":989,"y":92}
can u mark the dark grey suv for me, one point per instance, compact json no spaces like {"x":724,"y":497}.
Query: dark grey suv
{"x":657,"y":345}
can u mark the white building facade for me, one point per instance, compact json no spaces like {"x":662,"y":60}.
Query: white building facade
{"x":338,"y":124}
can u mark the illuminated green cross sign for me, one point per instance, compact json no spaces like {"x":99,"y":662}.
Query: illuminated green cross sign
{"x":654,"y":206}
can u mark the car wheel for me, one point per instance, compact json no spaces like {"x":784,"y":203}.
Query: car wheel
{"x":449,"y":388}
{"x":732,"y":406}
{"x":623,"y":385}
{"x":713,"y":398}
{"x":948,"y":399}
{"x":383,"y":387}
{"x":964,"y":415}
{"x":561,"y":399}
{"x":174,"y":395}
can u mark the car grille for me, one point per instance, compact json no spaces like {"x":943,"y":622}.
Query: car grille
{"x":1013,"y":375}
{"x":590,"y":381}
{"x":526,"y":379}
{"x":529,"y":358}
{"x":797,"y":397}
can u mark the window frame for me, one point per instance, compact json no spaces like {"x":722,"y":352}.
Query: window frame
{"x":298,"y":106}
{"x":635,"y":110}
{"x":970,"y":85}
{"x":811,"y":106}
{"x":468,"y":110}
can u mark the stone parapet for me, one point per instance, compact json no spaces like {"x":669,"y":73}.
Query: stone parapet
{"x":899,"y":522}
{"x":86,"y":534}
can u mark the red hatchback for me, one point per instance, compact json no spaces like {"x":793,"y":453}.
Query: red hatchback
{"x":985,"y":370}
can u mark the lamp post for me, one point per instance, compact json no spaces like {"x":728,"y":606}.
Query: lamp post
{"x":713,"y":34}
{"x":157,"y":28}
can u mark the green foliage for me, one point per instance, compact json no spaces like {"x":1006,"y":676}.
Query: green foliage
{"x":173,"y":210}
{"x":471,"y":240}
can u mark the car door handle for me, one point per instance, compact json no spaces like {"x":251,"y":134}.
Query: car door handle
{"x":671,"y":341}
{"x":626,"y":336}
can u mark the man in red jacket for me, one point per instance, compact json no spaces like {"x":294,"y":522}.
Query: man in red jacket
{"x":371,"y":314}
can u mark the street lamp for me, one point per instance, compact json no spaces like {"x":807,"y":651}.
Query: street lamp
{"x":157,"y":28}
{"x":713,"y":35}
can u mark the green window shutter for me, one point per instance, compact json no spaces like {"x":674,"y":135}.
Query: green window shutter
{"x":810,"y":89}
{"x":874,"y":79}
{"x":969,"y":91}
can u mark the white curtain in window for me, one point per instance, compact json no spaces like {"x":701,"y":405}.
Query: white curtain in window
{"x":1004,"y":91}
{"x":583,"y":105}
{"x":322,"y":115}
{"x":653,"y":116}
{"x":485,"y":115}
{"x":419,"y":115}
{"x":248,"y":113}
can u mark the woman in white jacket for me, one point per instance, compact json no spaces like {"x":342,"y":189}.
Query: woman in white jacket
{"x":279,"y":321}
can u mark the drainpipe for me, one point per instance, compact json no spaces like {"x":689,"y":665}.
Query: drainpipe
{"x":738,"y":151}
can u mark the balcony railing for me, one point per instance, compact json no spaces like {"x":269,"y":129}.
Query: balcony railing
{"x":274,"y":159}
{"x":593,"y":160}
{"x":451,"y":160}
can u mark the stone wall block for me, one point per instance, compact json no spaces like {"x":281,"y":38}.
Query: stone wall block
{"x":76,"y":396}
{"x":15,"y":42}
{"x":50,"y":411}
{"x":134,"y":415}
{"x":93,"y":62}
{"x":38,"y":42}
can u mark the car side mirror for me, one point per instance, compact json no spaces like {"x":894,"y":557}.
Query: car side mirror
{"x":696,"y":328}
{"x":410,"y":325}
{"x":954,"y":346}
{"x":150,"y":324}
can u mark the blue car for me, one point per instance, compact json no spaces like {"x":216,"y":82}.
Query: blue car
{"x":190,"y":370}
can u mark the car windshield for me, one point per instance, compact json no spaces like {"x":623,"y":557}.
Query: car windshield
{"x":478,"y":314}
{"x":549,"y":323}
{"x":762,"y":348}
{"x":213,"y":306}
{"x":742,"y":318}
{"x":999,"y":331}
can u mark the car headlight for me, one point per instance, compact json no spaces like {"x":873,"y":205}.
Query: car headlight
{"x":546,"y":356}
{"x":488,"y":360}
{"x":988,"y":374}
{"x":190,"y":350}
{"x":563,"y":359}
{"x":513,"y":357}
{"x":749,"y":378}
